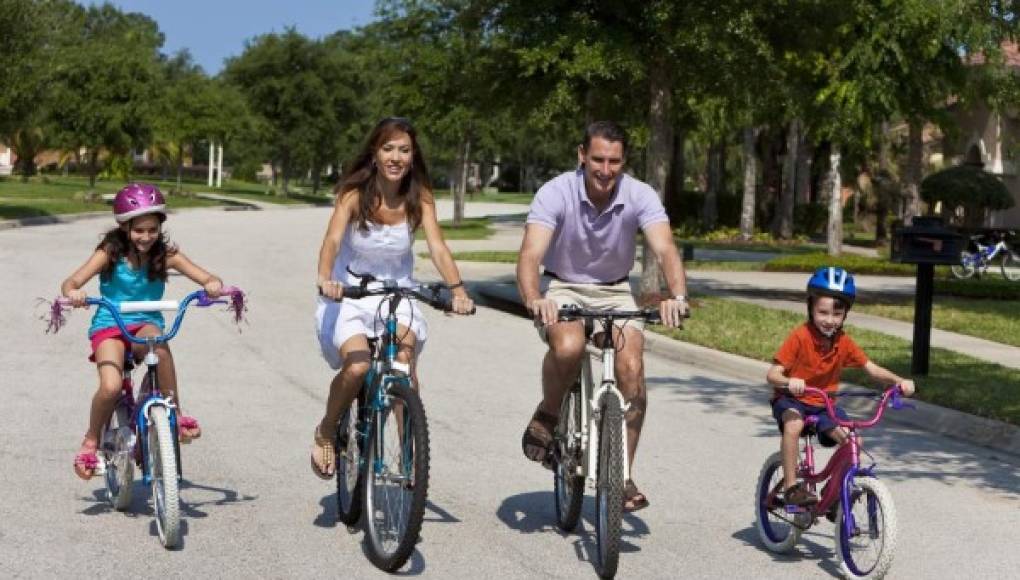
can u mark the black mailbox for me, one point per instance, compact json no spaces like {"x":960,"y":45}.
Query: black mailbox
{"x":927,"y":241}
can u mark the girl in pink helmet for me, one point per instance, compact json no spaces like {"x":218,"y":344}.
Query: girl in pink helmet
{"x":132,"y":261}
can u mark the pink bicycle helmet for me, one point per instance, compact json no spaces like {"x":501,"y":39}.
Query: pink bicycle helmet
{"x":137,"y":199}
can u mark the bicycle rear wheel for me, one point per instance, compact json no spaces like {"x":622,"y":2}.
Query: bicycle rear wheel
{"x":609,"y":485}
{"x":966,"y":268}
{"x":568,"y":483}
{"x":775,"y":527}
{"x":1011,"y":266}
{"x":866,"y":547}
{"x":118,"y":454}
{"x":349,"y":480}
{"x":396,"y":479}
{"x":163,"y":466}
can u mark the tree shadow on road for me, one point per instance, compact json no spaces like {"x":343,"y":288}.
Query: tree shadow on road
{"x":534,"y":512}
{"x":914,"y":453}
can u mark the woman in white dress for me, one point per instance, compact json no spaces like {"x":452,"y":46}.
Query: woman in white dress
{"x":382,"y":199}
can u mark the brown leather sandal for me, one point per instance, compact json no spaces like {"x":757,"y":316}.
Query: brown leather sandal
{"x":633,"y":499}
{"x":538,"y":436}
{"x":326,"y":453}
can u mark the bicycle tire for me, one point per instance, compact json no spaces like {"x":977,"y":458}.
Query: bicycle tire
{"x":1011,"y":266}
{"x":568,"y":485}
{"x":872,"y":503}
{"x":349,"y":476}
{"x":166,"y":503}
{"x":777,"y":534}
{"x":609,"y":486}
{"x":390,"y":540}
{"x":119,"y":456}
{"x":966,"y":268}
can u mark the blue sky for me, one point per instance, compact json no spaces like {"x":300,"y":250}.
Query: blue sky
{"x":213,"y":30}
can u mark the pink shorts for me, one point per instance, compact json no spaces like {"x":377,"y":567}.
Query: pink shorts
{"x":113,"y":332}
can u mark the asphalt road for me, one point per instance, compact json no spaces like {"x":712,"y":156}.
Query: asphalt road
{"x":252,"y":507}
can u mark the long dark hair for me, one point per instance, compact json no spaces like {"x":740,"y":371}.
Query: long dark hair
{"x":117,"y":245}
{"x":362,"y":174}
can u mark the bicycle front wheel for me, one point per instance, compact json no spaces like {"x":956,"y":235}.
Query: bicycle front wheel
{"x":966,"y":268}
{"x":1011,"y":266}
{"x":396,"y":478}
{"x":119,"y":456}
{"x":568,"y":482}
{"x":866,"y":536}
{"x":349,"y":482}
{"x":609,"y":485}
{"x":163,"y":467}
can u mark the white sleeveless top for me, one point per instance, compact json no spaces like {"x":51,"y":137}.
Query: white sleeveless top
{"x":385,"y":251}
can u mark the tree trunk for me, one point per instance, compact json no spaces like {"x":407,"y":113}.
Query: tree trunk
{"x":458,"y":197}
{"x":881,"y":185}
{"x":804,"y":154}
{"x":710,"y":209}
{"x":316,"y":177}
{"x":750,"y":182}
{"x":285,"y":169}
{"x":786,"y":194}
{"x":835,"y":232}
{"x":93,"y":166}
{"x":180,"y":164}
{"x":912,"y":175}
{"x":657,"y":162}
{"x":677,"y":176}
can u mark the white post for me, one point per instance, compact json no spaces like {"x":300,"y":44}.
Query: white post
{"x":211,"y":161}
{"x":219,"y":168}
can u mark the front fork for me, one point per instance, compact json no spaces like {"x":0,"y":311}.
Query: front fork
{"x":608,"y":386}
{"x":143,"y":423}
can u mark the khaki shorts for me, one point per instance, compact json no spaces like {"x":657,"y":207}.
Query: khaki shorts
{"x":593,"y":297}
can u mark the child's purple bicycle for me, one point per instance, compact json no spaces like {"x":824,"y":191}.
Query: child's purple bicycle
{"x":852,"y":497}
{"x":151,"y":419}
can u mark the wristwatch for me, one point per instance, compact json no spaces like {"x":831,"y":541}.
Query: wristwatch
{"x":680,"y":298}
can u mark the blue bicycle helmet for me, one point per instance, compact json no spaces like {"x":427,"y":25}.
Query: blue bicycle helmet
{"x":835,"y":282}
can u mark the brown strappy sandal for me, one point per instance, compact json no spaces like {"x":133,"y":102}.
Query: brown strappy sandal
{"x":538,"y":436}
{"x":327,"y":453}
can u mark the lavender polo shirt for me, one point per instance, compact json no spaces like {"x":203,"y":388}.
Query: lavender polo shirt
{"x":587,"y":246}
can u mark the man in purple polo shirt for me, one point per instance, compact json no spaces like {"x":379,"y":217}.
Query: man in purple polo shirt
{"x":582,"y":228}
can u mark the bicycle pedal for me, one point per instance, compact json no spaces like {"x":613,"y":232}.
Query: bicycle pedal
{"x":100,"y":466}
{"x":795,"y":509}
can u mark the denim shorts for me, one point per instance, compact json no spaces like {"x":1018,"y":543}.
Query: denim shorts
{"x":825,"y":422}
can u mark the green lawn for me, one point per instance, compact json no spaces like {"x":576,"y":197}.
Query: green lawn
{"x":956,"y":381}
{"x":502,"y":257}
{"x":59,"y":195}
{"x":469,"y":229}
{"x":502,"y":197}
{"x":995,"y":320}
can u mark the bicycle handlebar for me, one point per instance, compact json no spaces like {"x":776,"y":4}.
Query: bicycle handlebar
{"x":427,"y":293}
{"x":572,"y":312}
{"x":200,"y":297}
{"x":893,"y":396}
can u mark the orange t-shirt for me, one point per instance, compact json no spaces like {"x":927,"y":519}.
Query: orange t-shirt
{"x":803,"y":355}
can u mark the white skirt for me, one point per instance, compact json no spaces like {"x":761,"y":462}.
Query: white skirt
{"x":336,"y":322}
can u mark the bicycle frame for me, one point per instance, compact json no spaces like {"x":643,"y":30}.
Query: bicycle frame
{"x":147,"y":400}
{"x":845,"y":463}
{"x":590,"y":412}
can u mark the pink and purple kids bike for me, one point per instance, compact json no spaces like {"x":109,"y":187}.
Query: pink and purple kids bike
{"x":852,"y":497}
{"x":143,"y":432}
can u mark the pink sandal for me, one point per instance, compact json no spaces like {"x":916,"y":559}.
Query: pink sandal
{"x":86,"y":464}
{"x":188,"y":428}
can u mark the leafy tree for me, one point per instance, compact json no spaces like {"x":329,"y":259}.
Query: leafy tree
{"x":104,"y":82}
{"x":285,"y":79}
{"x":968,"y":187}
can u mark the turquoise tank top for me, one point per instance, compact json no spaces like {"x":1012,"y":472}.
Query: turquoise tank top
{"x":125,"y":284}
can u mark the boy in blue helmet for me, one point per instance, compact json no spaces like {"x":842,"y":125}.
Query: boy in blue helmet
{"x":814,"y":354}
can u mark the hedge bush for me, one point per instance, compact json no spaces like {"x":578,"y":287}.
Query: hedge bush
{"x":856,"y":264}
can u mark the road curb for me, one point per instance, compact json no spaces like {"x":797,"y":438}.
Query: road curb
{"x":989,"y":433}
